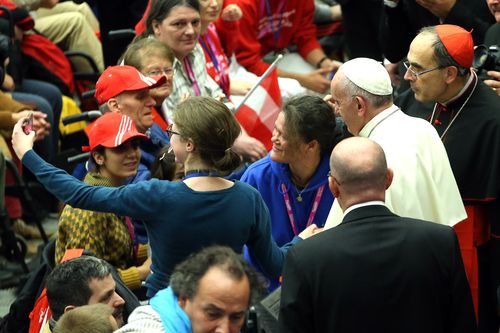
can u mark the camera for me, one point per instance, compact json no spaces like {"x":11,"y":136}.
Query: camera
{"x":486,"y":59}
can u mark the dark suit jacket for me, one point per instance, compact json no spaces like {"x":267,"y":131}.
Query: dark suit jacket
{"x":377,"y":272}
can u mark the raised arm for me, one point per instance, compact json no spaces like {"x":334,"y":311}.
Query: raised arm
{"x":125,"y":200}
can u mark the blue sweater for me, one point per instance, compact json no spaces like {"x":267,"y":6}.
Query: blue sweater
{"x":179,"y":220}
{"x":267,"y":176}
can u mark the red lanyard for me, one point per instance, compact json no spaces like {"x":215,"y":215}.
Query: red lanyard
{"x":209,"y":47}
{"x":194,"y":83}
{"x":312,"y":214}
{"x":130,"y":229}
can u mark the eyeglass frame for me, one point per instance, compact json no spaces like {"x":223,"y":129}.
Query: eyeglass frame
{"x":333,"y":177}
{"x":167,"y":71}
{"x":171,"y":132}
{"x":415,"y":75}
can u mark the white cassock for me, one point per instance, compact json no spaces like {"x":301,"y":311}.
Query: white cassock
{"x":423,"y":186}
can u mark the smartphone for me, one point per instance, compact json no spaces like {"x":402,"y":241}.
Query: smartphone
{"x":28,"y":124}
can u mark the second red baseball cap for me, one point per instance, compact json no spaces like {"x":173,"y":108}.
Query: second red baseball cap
{"x":111,"y":130}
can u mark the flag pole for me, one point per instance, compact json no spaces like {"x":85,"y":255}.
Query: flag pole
{"x":266,"y":73}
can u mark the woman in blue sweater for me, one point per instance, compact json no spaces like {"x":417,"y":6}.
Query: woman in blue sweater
{"x":181,"y":217}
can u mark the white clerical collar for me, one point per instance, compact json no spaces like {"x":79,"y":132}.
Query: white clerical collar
{"x":370,"y":126}
{"x":363,"y":204}
{"x":462,"y":91}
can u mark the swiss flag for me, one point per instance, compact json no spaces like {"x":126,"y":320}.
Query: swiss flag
{"x":258,"y":114}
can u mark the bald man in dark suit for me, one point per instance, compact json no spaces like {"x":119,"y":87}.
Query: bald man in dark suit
{"x":376,"y":271}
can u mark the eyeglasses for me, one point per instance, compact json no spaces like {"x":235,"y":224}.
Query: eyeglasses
{"x":414,"y":74}
{"x":167,"y":71}
{"x":332,"y":176}
{"x":171,"y":132}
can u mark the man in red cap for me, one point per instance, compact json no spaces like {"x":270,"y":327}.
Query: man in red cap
{"x":465,"y":112}
{"x":124,"y":89}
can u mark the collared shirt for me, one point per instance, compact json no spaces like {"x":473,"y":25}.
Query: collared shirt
{"x":363,"y":204}
{"x":423,"y":186}
{"x":182,"y":83}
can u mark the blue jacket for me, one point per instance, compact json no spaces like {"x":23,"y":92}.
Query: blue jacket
{"x":267,"y":176}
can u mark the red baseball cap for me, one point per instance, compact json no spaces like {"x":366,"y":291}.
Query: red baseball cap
{"x":111,"y":130}
{"x":117,"y":79}
{"x":458,"y":42}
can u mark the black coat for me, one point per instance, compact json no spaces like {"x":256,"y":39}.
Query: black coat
{"x":377,"y":272}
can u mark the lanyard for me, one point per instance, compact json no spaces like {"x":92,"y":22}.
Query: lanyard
{"x":312,"y":214}
{"x":209,"y":47}
{"x":189,"y":70}
{"x":130,"y":229}
{"x":281,"y":9}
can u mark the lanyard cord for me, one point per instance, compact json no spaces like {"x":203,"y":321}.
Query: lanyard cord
{"x":192,"y":78}
{"x":281,"y":9}
{"x":312,"y":214}
{"x":209,"y":47}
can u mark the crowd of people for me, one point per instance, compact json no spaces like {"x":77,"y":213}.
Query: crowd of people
{"x":377,"y":207}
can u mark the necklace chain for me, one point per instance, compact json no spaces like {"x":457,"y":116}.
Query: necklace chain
{"x":458,"y":112}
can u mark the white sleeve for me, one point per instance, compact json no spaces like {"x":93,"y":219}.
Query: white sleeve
{"x":143,"y":320}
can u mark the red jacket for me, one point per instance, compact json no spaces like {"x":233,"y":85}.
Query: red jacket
{"x":293,"y":25}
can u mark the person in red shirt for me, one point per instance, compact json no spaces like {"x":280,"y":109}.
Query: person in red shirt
{"x":269,"y":26}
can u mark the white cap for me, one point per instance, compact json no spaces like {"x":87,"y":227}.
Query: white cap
{"x":368,"y":74}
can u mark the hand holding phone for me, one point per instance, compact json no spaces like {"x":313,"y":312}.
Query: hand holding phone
{"x":28,"y":124}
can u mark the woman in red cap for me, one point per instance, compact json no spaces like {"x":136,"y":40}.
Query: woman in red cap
{"x":114,"y":150}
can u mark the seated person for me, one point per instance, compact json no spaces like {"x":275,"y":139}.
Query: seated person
{"x":71,"y":26}
{"x":293,"y":177}
{"x":10,"y":112}
{"x":81,"y":281}
{"x":271,"y":26}
{"x":209,"y":292}
{"x":217,"y":55}
{"x":93,"y":318}
{"x":153,"y":59}
{"x":114,"y":148}
{"x":191,"y":78}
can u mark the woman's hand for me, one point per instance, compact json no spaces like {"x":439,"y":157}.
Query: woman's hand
{"x":310,"y":231}
{"x":22,"y":142}
{"x":144,"y":269}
